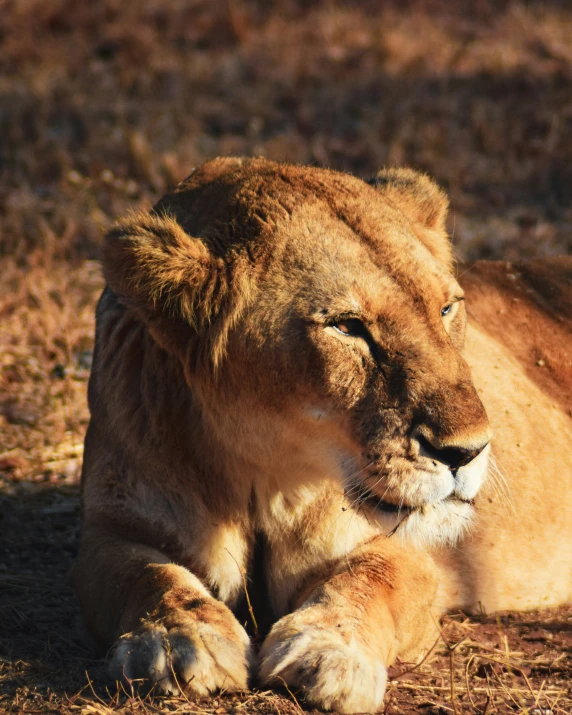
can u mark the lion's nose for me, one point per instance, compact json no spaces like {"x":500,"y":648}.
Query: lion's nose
{"x":453,"y":457}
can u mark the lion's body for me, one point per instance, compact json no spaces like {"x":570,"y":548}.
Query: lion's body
{"x":210,"y":443}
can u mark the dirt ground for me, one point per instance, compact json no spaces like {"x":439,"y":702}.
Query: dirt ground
{"x":103,"y":106}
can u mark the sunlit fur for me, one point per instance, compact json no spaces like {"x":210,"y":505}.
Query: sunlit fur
{"x":281,"y":399}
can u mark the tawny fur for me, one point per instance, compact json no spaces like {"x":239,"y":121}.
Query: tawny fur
{"x":234,"y":417}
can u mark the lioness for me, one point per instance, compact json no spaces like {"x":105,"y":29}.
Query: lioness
{"x":279,"y":363}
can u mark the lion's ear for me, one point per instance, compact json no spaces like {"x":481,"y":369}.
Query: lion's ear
{"x":169,"y":279}
{"x":422,"y":201}
{"x":216,"y":169}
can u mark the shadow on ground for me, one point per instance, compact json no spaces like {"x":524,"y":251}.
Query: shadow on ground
{"x":41,"y":644}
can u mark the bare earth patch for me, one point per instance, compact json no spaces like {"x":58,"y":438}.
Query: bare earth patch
{"x":103,"y":106}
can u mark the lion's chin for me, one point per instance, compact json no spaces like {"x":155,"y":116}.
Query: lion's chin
{"x":441,"y":523}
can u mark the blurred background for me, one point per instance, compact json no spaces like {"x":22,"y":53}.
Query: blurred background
{"x":106,"y":104}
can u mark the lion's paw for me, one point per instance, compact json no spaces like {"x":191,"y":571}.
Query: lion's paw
{"x":330,"y":666}
{"x":193,"y":656}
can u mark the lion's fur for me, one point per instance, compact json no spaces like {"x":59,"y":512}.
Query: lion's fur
{"x":228,"y":411}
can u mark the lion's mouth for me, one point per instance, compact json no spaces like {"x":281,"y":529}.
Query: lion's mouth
{"x":441,"y":521}
{"x":386,"y":507}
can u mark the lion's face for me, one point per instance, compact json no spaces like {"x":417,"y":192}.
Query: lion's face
{"x":344,"y":359}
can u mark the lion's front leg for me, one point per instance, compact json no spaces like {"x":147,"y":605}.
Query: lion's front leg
{"x":335,"y":648}
{"x":170,"y":633}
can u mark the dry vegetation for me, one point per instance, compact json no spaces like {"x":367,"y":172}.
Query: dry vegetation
{"x":105,"y":104}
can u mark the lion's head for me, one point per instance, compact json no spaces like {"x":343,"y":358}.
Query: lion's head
{"x":320,"y":328}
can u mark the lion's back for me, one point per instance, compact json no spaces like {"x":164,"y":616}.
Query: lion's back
{"x":527,"y":308}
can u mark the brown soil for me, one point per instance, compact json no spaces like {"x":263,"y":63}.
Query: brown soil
{"x":104,"y":105}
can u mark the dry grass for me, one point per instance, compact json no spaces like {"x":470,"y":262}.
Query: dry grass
{"x":104,"y":105}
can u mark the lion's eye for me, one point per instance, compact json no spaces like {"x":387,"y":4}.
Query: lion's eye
{"x":446,"y":310}
{"x":352,"y":327}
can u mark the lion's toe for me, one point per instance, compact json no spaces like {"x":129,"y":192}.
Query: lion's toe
{"x":141,"y":658}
